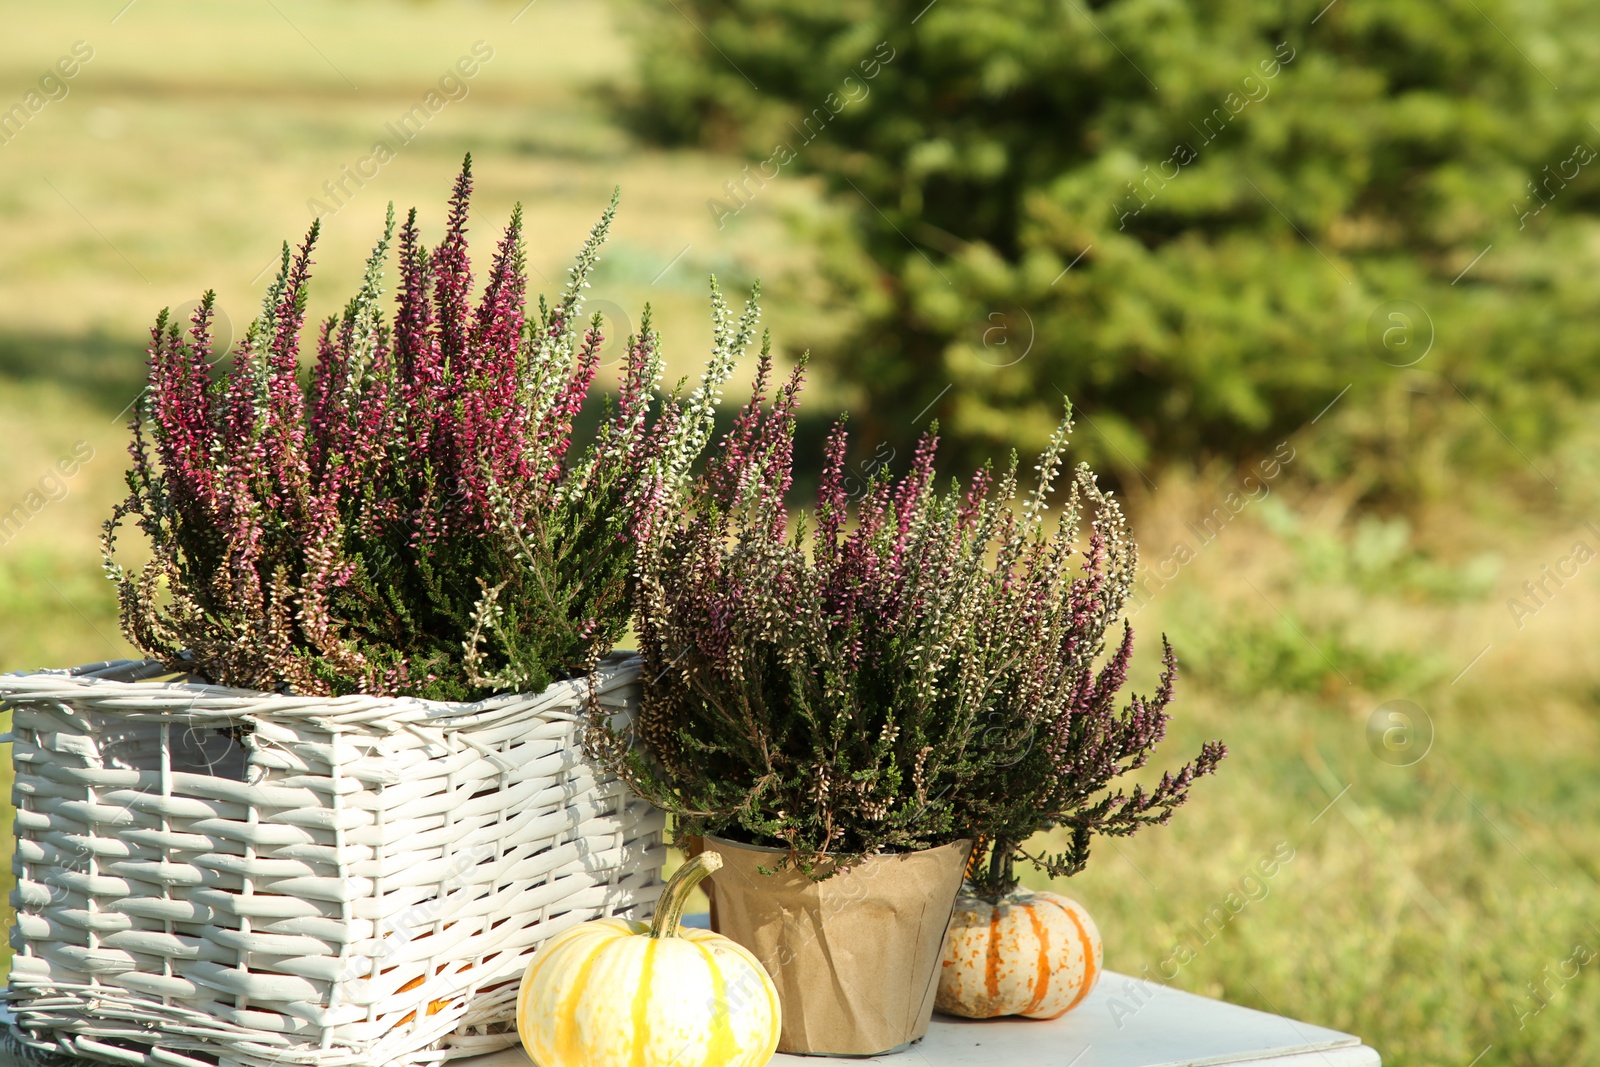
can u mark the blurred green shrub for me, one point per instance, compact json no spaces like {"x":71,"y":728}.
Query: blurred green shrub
{"x":1307,"y":654}
{"x":1346,"y":618}
{"x":1378,"y":557}
{"x":1238,"y":188}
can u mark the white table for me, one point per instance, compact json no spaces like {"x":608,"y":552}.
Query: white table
{"x":1159,"y":1027}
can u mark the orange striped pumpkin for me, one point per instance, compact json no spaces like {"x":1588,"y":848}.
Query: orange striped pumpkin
{"x":1030,"y":954}
{"x":616,"y":993}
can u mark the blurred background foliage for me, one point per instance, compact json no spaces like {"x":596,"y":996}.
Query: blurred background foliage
{"x":1237,"y":188}
{"x":917,"y":239}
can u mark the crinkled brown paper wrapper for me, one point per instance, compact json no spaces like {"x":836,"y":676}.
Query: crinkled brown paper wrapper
{"x":856,"y":957}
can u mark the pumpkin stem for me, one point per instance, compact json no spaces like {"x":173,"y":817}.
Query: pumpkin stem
{"x":1001,"y":879}
{"x":669,"y":909}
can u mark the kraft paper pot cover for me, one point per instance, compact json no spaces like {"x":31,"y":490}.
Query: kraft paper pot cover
{"x":855,"y":957}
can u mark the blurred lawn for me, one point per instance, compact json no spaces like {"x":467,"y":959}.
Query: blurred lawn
{"x":189,"y":147}
{"x":1420,"y":910}
{"x":1425,"y":901}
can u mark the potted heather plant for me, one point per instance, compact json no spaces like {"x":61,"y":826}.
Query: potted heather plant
{"x":344,"y":800}
{"x":842,"y":705}
{"x":415,"y":520}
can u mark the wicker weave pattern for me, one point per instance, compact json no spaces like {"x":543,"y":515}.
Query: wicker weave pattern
{"x":228,"y":877}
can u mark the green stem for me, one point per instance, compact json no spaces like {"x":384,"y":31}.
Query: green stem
{"x":1002,"y":879}
{"x":669,"y":909}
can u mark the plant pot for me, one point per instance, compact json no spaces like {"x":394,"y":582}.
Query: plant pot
{"x":856,"y":957}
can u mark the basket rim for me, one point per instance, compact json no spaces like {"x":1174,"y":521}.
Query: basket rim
{"x":149,"y":689}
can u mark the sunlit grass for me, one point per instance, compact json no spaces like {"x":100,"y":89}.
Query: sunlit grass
{"x":1423,"y":898}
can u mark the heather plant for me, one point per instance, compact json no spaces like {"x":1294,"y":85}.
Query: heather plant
{"x":415,"y":519}
{"x":892,"y":672}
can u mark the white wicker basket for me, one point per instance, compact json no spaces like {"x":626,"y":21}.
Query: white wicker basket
{"x":214,"y":876}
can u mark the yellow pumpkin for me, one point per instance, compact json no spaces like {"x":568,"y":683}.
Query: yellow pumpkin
{"x":1031,"y":954}
{"x":616,"y":993}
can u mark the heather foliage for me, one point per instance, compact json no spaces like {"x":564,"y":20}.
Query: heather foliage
{"x":893,"y":672}
{"x":415,"y":520}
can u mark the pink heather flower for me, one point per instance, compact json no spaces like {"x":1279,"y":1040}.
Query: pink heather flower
{"x":420,"y":516}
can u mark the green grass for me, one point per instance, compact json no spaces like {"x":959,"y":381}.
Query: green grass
{"x":1421,"y":899}
{"x":189,"y":147}
{"x":1417,"y":908}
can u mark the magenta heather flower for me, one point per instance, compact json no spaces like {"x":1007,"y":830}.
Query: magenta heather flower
{"x":424,"y":515}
